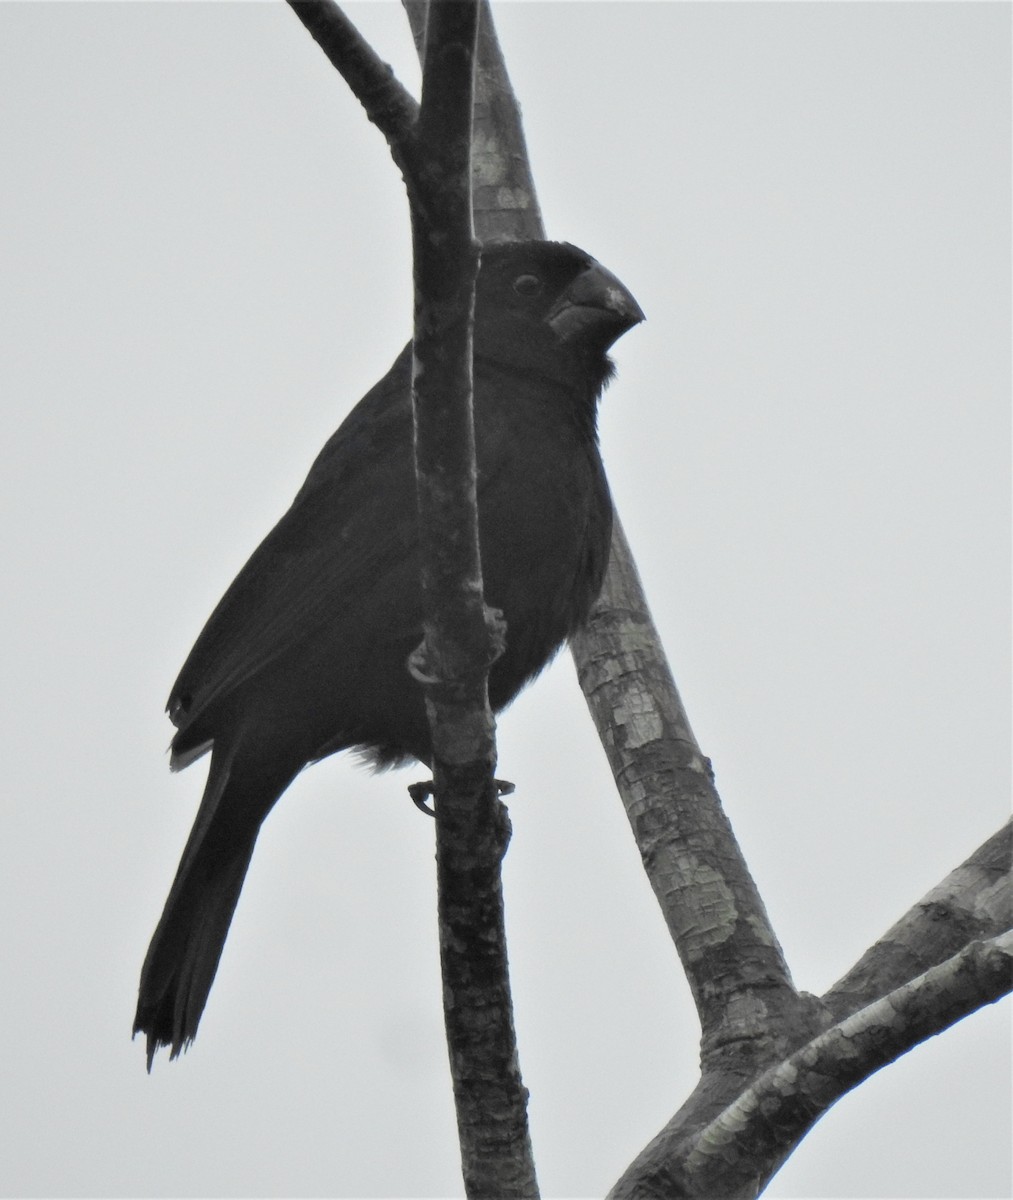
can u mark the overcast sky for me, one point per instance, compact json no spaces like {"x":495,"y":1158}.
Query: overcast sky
{"x":205,"y":263}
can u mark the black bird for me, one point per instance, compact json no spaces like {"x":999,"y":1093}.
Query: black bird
{"x":306,"y":652}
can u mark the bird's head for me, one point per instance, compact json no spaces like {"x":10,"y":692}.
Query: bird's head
{"x":550,"y":306}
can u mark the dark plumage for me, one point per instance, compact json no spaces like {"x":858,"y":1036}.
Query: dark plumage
{"x":305,"y":654}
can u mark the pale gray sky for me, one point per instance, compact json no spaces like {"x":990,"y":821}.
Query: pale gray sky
{"x":205,"y":263}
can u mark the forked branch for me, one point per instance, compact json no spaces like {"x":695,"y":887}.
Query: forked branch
{"x":740,"y":1150}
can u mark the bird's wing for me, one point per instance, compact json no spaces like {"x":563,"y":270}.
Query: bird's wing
{"x":349,"y":528}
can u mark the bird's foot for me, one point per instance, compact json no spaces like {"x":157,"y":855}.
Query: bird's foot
{"x":439,"y":675}
{"x":420,"y":793}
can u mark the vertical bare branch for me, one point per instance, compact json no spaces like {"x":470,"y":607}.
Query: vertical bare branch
{"x":460,"y":637}
{"x":431,"y":145}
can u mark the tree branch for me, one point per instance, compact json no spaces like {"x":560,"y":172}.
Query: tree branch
{"x":461,"y":639}
{"x":431,"y":144}
{"x":713,"y":910}
{"x":698,"y":1153}
{"x":506,"y":205}
{"x":504,"y":200}
{"x":734,"y":1154}
{"x":738,"y":1153}
{"x":974,"y":901}
{"x":391,"y":108}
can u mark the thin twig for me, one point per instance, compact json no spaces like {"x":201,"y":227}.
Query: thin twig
{"x":387,"y":103}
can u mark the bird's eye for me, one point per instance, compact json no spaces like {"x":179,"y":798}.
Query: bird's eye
{"x":527,"y":285}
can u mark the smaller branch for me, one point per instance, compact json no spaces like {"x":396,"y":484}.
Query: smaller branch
{"x":388,"y":104}
{"x":738,"y":1152}
{"x":745,"y":998}
{"x":973,"y":902}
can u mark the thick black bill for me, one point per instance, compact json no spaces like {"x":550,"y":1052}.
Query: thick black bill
{"x":595,"y":300}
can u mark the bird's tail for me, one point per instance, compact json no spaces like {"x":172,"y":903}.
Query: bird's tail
{"x":183,"y":956}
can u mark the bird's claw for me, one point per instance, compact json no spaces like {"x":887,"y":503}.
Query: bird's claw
{"x":420,"y":793}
